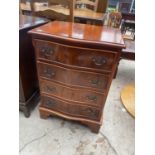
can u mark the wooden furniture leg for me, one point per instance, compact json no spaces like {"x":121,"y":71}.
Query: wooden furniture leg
{"x":115,"y":74}
{"x":43,"y":115}
{"x":25,"y":110}
{"x":94,"y":127}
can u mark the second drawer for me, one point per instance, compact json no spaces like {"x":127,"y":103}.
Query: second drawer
{"x":72,"y":77}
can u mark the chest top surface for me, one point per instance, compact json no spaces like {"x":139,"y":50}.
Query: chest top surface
{"x":81,"y":33}
{"x":30,"y":21}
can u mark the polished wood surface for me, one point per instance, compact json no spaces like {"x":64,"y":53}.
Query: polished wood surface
{"x":76,"y":64}
{"x":77,"y":95}
{"x":26,"y":22}
{"x":92,"y":59}
{"x":70,"y":108}
{"x":28,"y":83}
{"x":128,"y":98}
{"x":82,"y":33}
{"x":94,"y":81}
{"x":78,"y":13}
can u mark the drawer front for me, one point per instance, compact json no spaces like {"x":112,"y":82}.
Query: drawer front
{"x":70,"y":109}
{"x":80,"y":57}
{"x":73,"y":77}
{"x":77,"y":95}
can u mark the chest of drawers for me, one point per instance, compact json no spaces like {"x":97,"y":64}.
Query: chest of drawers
{"x":28,"y":82}
{"x":76,"y":64}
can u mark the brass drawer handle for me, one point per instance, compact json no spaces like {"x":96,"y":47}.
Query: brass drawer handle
{"x":99,"y":60}
{"x":95,"y":82}
{"x":50,"y":89}
{"x":91,"y":112}
{"x":49,"y":73}
{"x":47,"y":51}
{"x":50,"y":102}
{"x":92,"y":98}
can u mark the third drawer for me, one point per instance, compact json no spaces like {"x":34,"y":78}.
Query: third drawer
{"x":83,"y":96}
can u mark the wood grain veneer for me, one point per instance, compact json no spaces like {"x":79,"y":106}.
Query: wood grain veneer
{"x":76,"y":64}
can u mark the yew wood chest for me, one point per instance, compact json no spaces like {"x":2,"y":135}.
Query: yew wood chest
{"x":76,"y":64}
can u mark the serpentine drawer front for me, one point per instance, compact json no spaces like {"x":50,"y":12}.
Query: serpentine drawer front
{"x":70,"y":109}
{"x":83,"y":96}
{"x":80,"y":57}
{"x":52,"y":72}
{"x":75,"y":64}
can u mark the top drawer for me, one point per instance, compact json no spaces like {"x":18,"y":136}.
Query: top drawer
{"x":80,"y":57}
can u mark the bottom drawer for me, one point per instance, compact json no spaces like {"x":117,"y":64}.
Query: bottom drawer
{"x":70,"y":108}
